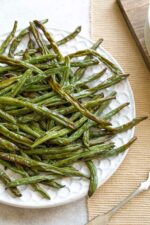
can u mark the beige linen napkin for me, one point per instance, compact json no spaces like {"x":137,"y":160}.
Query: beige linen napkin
{"x":107,"y":22}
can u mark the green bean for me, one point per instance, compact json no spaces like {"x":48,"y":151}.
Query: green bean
{"x":42,"y":59}
{"x":6,"y":180}
{"x":31,"y":180}
{"x":19,"y":38}
{"x":5,"y":144}
{"x":6,"y":90}
{"x":53,"y":102}
{"x":97,"y":43}
{"x":36,"y":127}
{"x":52,"y":65}
{"x":25,"y":134}
{"x":41,"y":191}
{"x":15,"y":137}
{"x":118,"y":150}
{"x":5,"y":83}
{"x":76,"y":95}
{"x":31,"y":43}
{"x":94,"y":151}
{"x":36,"y":157}
{"x":49,"y":135}
{"x":55,"y":86}
{"x":88,"y":104}
{"x":90,"y":78}
{"x":53,"y":184}
{"x":69,"y":36}
{"x":36,"y":87}
{"x":16,"y":89}
{"x":8,"y":39}
{"x":65,"y":140}
{"x":4,"y":69}
{"x":28,"y":130}
{"x":62,"y":155}
{"x":48,"y":73}
{"x":64,"y":111}
{"x":42,"y":97}
{"x":36,"y":187}
{"x":42,"y":110}
{"x":65,"y":78}
{"x":6,"y":116}
{"x":12,"y":168}
{"x":16,"y":62}
{"x":70,"y":109}
{"x":86,"y":136}
{"x":85,"y":93}
{"x":15,"y":129}
{"x":108,"y":116}
{"x":50,"y":124}
{"x":93,"y":178}
{"x":26,"y":55}
{"x":96,"y":132}
{"x":79,"y":73}
{"x":92,"y":52}
{"x":109,"y":82}
{"x":17,"y":41}
{"x":55,"y":133}
{"x":11,"y":126}
{"x":128,"y":125}
{"x":85,"y":63}
{"x":60,"y":42}
{"x":38,"y":39}
{"x":100,"y":140}
{"x":77,"y":134}
{"x":16,"y":65}
{"x":28,"y":64}
{"x":42,"y":124}
{"x":115,"y":111}
{"x":42,"y":166}
{"x":50,"y":39}
{"x":54,"y":150}
{"x":79,"y":63}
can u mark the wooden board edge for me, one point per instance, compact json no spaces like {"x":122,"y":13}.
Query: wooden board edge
{"x":134,"y":34}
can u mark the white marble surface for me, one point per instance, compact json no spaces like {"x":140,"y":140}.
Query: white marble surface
{"x":63,"y":14}
{"x":71,"y":214}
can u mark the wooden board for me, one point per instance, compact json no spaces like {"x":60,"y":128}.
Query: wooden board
{"x":134,"y":12}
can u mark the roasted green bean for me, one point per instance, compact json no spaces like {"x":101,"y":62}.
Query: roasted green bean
{"x":6,"y":180}
{"x":6,"y":42}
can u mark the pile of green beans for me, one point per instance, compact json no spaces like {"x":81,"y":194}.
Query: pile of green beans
{"x":50,"y":117}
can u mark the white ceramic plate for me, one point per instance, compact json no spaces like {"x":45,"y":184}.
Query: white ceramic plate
{"x":76,"y":188}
